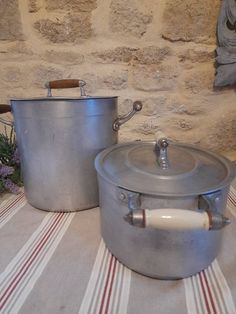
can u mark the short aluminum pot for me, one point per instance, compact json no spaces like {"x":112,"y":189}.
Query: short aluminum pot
{"x":162,"y":209}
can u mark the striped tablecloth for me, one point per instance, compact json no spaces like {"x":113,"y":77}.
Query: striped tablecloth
{"x":57,"y":263}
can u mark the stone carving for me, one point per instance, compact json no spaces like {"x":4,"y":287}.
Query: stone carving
{"x":226,"y":50}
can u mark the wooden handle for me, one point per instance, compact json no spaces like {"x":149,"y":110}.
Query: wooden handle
{"x":67,"y":83}
{"x":4,"y":108}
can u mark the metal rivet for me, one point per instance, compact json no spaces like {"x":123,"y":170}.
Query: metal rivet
{"x":122,"y":196}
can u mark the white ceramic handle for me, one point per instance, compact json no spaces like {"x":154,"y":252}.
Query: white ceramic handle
{"x":176,"y":219}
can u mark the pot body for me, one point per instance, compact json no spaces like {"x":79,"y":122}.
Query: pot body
{"x":58,"y":140}
{"x":157,"y":253}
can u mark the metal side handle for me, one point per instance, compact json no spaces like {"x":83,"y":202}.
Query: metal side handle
{"x":137,"y":106}
{"x":4,"y":108}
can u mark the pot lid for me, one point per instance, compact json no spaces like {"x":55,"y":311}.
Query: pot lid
{"x":164,"y":168}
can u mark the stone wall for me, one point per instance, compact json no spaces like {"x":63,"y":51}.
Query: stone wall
{"x":159,"y":52}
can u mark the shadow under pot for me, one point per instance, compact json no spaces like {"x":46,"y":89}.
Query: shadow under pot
{"x":162,"y":206}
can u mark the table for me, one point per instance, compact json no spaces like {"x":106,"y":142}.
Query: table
{"x":58,"y":263}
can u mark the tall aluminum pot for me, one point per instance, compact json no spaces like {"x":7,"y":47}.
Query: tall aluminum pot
{"x":58,"y":139}
{"x":162,"y":210}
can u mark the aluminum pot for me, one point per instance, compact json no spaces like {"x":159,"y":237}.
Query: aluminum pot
{"x":162,"y":206}
{"x":58,"y":139}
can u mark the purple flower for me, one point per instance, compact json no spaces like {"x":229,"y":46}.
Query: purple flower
{"x":16,"y":156}
{"x":5,"y":171}
{"x":9,"y":185}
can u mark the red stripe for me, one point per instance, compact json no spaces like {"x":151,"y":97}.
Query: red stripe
{"x":111,"y":286}
{"x":38,"y":248}
{"x":106,"y":284}
{"x":209,"y":293}
{"x":232,"y":191}
{"x":11,"y":205}
{"x":204,"y":293}
{"x":13,"y":201}
{"x":230,"y":198}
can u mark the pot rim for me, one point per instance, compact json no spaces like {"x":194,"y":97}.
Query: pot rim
{"x":63,"y":98}
{"x":231,"y":172}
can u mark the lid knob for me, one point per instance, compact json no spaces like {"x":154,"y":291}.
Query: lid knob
{"x":161,"y":152}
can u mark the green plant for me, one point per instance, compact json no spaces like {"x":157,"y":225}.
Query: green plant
{"x":10,"y":172}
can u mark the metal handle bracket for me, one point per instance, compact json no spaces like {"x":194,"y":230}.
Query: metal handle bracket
{"x":207,"y":218}
{"x":137,"y":106}
{"x":161,"y":152}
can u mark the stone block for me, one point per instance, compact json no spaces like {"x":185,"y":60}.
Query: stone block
{"x":72,"y":5}
{"x":149,"y":126}
{"x":151,"y":55}
{"x":200,"y":79}
{"x":41,"y":74}
{"x":125,"y":105}
{"x":63,"y":57}
{"x":185,"y":107}
{"x":117,"y":55}
{"x":222,"y":132}
{"x":201,"y":55}
{"x":13,"y":76}
{"x":17,"y":50}
{"x":10,"y":22}
{"x":152,"y":106}
{"x":154,"y":77}
{"x":101,"y":82}
{"x":19,"y":47}
{"x":195,"y":21}
{"x":33,"y":6}
{"x":175,"y":126}
{"x":116,"y":80}
{"x":127,"y":17}
{"x":146,"y":55}
{"x":71,"y":28}
{"x":185,"y":124}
